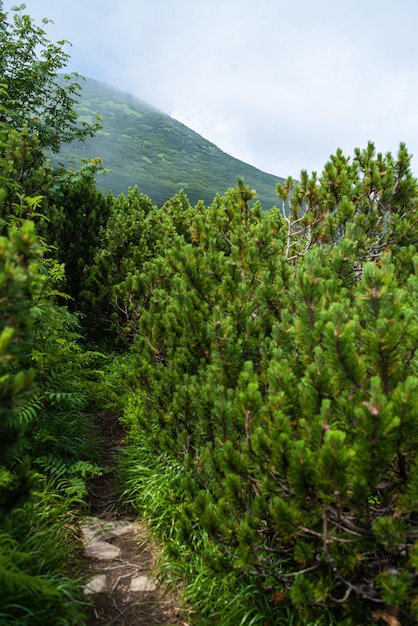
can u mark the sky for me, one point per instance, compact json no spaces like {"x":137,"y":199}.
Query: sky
{"x":279,"y":84}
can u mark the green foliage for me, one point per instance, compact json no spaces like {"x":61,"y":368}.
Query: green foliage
{"x":154,"y":485}
{"x":130,"y":262}
{"x":38,"y":546}
{"x":65,"y":477}
{"x":276,"y":362}
{"x":23,"y":174}
{"x":20,"y":285}
{"x":28,"y":70}
{"x":47,"y":450}
{"x":42,"y":416}
{"x":207,"y":320}
{"x":371,"y":200}
{"x":154,"y":482}
{"x":75,"y":215}
{"x":38,"y":114}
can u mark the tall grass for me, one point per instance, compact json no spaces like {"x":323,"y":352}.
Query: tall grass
{"x":39,"y":558}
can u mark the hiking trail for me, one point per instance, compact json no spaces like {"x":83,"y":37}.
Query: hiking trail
{"x":119,"y":555}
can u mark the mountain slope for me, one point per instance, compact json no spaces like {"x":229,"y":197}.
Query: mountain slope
{"x":142,"y":146}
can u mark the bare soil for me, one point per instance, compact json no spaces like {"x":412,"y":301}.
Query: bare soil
{"x":124,"y":602}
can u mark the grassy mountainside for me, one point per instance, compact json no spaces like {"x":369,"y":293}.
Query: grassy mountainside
{"x":142,"y":146}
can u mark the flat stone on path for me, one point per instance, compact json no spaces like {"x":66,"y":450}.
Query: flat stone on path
{"x":97,"y":532}
{"x":118,"y":528}
{"x":96,"y":585}
{"x":95,"y":527}
{"x":142,"y":583}
{"x":101,"y":550}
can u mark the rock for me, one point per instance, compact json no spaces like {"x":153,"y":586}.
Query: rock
{"x":142,"y":583}
{"x":101,"y":550}
{"x":95,"y":532}
{"x":96,"y":585}
{"x":94,"y":527}
{"x":116,"y":529}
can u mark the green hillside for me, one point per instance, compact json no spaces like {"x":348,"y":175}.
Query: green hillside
{"x":142,"y":146}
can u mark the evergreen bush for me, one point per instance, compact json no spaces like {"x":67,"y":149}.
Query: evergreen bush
{"x":287,"y":388}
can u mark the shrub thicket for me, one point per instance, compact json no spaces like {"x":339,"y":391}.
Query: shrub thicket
{"x":276,"y":362}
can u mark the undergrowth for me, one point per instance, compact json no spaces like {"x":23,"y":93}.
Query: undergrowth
{"x":40,"y":574}
{"x":40,"y":550}
{"x":215,"y":591}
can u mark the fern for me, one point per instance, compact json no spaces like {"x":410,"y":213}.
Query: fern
{"x":58,"y":467}
{"x":15,"y":579}
{"x":85,"y":469}
{"x":29,"y":411}
{"x":73,"y":401}
{"x":68,"y":479}
{"x":52,"y":465}
{"x":32,"y":594}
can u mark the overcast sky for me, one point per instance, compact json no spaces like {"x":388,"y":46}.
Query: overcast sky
{"x":280,"y":84}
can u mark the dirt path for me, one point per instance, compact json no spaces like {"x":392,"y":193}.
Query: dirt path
{"x":119,"y":554}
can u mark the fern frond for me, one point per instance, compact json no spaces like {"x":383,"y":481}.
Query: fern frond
{"x":29,"y":411}
{"x":52,"y":465}
{"x":14,"y":579}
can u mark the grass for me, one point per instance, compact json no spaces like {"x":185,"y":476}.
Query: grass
{"x":38,"y":560}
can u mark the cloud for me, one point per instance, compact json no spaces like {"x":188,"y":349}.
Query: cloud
{"x":278,"y":84}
